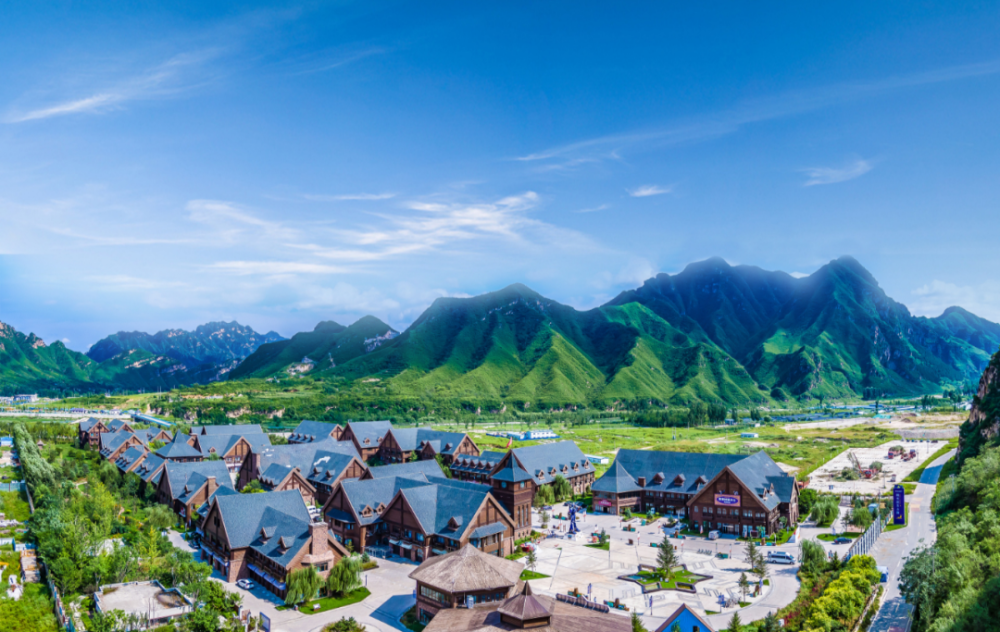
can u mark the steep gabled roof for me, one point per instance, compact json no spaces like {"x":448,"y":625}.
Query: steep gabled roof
{"x":540,"y":460}
{"x":187,"y":478}
{"x":372,"y":493}
{"x":665,"y":626}
{"x":446,"y":507}
{"x":511,"y":472}
{"x":179,"y":448}
{"x":372,"y":431}
{"x":683,"y":472}
{"x":223,"y":443}
{"x":280,"y":515}
{"x":151,"y":468}
{"x":127,"y":458}
{"x":116,"y":425}
{"x":227,"y":429}
{"x":443,"y":442}
{"x":111,"y":441}
{"x":87,"y":424}
{"x":429,"y":467}
{"x":309,"y":431}
{"x":759,"y":473}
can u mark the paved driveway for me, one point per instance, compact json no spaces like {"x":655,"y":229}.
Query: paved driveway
{"x":893,"y":547}
{"x":391,"y":596}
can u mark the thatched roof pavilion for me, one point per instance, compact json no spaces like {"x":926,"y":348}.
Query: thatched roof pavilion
{"x":468,"y":570}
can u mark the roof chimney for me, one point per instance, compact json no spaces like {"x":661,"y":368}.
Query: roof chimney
{"x":642,"y":481}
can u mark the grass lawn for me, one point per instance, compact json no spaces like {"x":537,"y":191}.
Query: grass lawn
{"x":15,"y":505}
{"x":411,"y":622}
{"x":829,"y":537}
{"x":679,"y":574}
{"x":909,"y":488}
{"x":893,"y":527}
{"x":914,"y":476}
{"x":604,"y":547}
{"x":526,"y":574}
{"x":516,"y":556}
{"x":330,"y":603}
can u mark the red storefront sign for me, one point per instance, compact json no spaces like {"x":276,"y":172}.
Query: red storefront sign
{"x":603,"y":503}
{"x":727,"y":500}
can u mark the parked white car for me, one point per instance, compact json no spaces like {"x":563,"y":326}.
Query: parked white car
{"x":245,"y":584}
{"x":780,"y":557}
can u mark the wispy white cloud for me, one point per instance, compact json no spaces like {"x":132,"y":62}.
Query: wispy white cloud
{"x":162,"y":80}
{"x":362,"y":197}
{"x":276,"y":267}
{"x":323,"y":61}
{"x":833,"y":175}
{"x":233,"y":222}
{"x":648,"y":190}
{"x":716,"y":124}
{"x":983,"y":299}
{"x":594,"y":209}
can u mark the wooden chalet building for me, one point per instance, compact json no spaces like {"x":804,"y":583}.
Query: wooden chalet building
{"x":184,"y":487}
{"x":450,"y":580}
{"x":265,"y":537}
{"x":400,"y":444}
{"x":149,"y":469}
{"x":735,"y":494}
{"x":409,"y":469}
{"x":231,"y":447}
{"x":130,"y":459}
{"x":113,"y":444}
{"x":367,"y":436}
{"x":515,"y":475}
{"x":310,"y":431}
{"x":315,"y":469}
{"x":89,"y":432}
{"x":419,"y":516}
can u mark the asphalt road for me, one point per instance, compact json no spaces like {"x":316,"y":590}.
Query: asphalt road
{"x":894,"y":546}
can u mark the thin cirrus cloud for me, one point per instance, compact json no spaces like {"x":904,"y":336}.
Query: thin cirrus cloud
{"x":246,"y":268}
{"x":358,"y":197}
{"x":163,"y":80}
{"x":648,"y":190}
{"x":728,"y":121}
{"x":833,"y":175}
{"x":594,"y":209}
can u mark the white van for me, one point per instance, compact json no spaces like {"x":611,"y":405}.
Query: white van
{"x":713,"y":535}
{"x":780,"y":557}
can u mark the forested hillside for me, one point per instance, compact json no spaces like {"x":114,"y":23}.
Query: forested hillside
{"x":954,"y":585}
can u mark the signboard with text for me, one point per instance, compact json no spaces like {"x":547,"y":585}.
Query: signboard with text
{"x":898,"y":505}
{"x":727,"y":500}
{"x":603,"y":503}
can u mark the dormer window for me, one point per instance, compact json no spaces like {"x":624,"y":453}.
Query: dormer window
{"x":367,"y":441}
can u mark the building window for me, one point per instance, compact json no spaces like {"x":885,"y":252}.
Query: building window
{"x":430,"y":593}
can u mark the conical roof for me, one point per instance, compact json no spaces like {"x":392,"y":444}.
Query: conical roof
{"x":468,"y":569}
{"x":525,"y":606}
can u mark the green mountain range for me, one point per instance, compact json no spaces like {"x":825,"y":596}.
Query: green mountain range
{"x":127,"y":360}
{"x":714,"y":332}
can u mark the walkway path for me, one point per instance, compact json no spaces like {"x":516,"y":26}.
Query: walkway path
{"x":894,"y":546}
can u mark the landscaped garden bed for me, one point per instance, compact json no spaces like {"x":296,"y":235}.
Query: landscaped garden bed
{"x":681,"y":579}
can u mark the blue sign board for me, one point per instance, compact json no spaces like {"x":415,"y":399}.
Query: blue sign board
{"x":898,"y":505}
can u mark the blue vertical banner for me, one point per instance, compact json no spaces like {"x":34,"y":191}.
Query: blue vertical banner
{"x":898,"y":505}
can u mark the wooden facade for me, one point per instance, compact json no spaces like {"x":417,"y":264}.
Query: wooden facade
{"x":233,"y":457}
{"x":188,"y":508}
{"x":91,"y":436}
{"x":725,"y":504}
{"x":320,"y":552}
{"x":412,"y":541}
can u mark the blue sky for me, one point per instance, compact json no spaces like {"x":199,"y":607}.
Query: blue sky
{"x":285,"y":164}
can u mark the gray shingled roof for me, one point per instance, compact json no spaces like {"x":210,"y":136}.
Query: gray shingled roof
{"x":111,"y":441}
{"x":372,"y":493}
{"x":227,"y":429}
{"x":186,"y":478}
{"x":115,"y":425}
{"x":128,"y":457}
{"x":429,"y":467}
{"x":313,"y":430}
{"x":759,"y":473}
{"x":224,"y":443}
{"x":151,"y":468}
{"x":680,"y":471}
{"x":178,"y":448}
{"x":221,"y":491}
{"x":320,"y":462}
{"x":539,"y":460}
{"x":373,"y":431}
{"x":616,"y":480}
{"x":410,"y":439}
{"x":87,"y":424}
{"x":439,"y":505}
{"x":280,"y":514}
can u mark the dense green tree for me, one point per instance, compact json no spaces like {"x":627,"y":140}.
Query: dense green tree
{"x":666,"y":559}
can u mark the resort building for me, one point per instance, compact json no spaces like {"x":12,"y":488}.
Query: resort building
{"x":230,"y":443}
{"x":410,"y":469}
{"x":526,"y":610}
{"x":735,"y":494}
{"x":113,"y":443}
{"x":227,"y":429}
{"x":419,"y":516}
{"x":367,"y":436}
{"x":462,"y":578}
{"x":400,"y":444}
{"x":315,"y":469}
{"x":265,"y":537}
{"x":184,"y":487}
{"x":310,"y":431}
{"x":149,"y":470}
{"x":130,"y":459}
{"x":514,"y":476}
